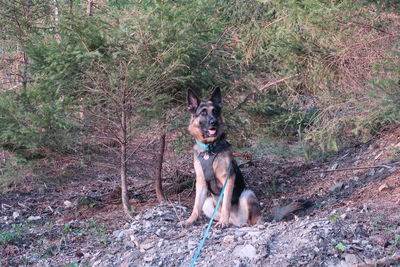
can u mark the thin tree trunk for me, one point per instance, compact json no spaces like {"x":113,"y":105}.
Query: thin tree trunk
{"x":89,"y":7}
{"x":25,"y":72}
{"x":57,"y":20}
{"x":160,"y":157}
{"x":124,"y":187}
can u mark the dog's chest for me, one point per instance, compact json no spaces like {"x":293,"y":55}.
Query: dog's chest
{"x":206,"y":160}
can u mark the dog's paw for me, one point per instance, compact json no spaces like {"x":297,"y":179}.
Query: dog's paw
{"x":221,"y":225}
{"x":185,"y":223}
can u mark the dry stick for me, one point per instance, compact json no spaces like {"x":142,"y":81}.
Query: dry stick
{"x":354,"y":168}
{"x":134,"y":151}
{"x":265,"y":86}
{"x":214,"y":48}
{"x":176,"y":213}
{"x":276,"y":82}
{"x":143,"y":186}
{"x":160,"y":157}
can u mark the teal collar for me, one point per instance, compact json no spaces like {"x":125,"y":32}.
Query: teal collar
{"x":206,"y":147}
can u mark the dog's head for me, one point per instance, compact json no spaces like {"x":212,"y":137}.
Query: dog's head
{"x":206,"y":124}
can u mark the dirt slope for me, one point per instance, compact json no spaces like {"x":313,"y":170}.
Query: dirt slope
{"x":355,"y":218}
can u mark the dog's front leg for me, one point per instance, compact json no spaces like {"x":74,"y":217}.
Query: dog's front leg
{"x":226,"y":203}
{"x":201,"y":195}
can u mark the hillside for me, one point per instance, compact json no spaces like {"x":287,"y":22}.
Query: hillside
{"x":354,"y":219}
{"x":94,"y":113}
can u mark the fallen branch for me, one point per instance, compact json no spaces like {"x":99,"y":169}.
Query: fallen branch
{"x":355,"y":168}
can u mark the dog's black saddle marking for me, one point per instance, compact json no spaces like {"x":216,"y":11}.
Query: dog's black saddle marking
{"x":206,"y":161}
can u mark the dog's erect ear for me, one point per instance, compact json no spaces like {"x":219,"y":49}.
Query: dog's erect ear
{"x":216,"y":96}
{"x":193,"y":100}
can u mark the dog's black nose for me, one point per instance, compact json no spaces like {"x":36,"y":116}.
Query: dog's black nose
{"x":213,"y":122}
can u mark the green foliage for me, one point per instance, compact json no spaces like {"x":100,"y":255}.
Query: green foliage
{"x":395,"y":241}
{"x":317,"y":71}
{"x":7,"y":237}
{"x":340,"y":246}
{"x":30,"y":124}
{"x":334,"y":217}
{"x":13,"y":169}
{"x":274,"y":114}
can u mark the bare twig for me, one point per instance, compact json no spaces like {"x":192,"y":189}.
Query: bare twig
{"x":277,"y":82}
{"x":356,"y":168}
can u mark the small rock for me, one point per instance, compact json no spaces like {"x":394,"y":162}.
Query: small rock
{"x":147,"y":216}
{"x":129,"y":257}
{"x":68,"y":204}
{"x":119,"y":235}
{"x":15,"y":215}
{"x":356,"y":178}
{"x":343,"y":216}
{"x":148,"y":258}
{"x":146,"y":246}
{"x":343,"y":264}
{"x":254,"y":233}
{"x":192,"y":244}
{"x":348,"y":209}
{"x":350,"y":259}
{"x":261,"y":227}
{"x":337,"y":187}
{"x":147,"y":224}
{"x":228,"y":239}
{"x":383,"y":187}
{"x":247,"y":251}
{"x":365,"y":208}
{"x":239,"y":234}
{"x":97,"y":263}
{"x":334,"y":166}
{"x":372,"y":172}
{"x":34,"y":218}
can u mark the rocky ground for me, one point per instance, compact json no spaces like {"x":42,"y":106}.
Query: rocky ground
{"x":354,"y":220}
{"x":154,"y":239}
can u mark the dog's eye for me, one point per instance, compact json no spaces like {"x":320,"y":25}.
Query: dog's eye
{"x":215,"y":112}
{"x":204,"y":112}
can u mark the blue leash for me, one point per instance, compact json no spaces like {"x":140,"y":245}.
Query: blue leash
{"x":197,"y":254}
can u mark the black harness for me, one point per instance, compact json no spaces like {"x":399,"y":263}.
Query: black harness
{"x":206,"y":159}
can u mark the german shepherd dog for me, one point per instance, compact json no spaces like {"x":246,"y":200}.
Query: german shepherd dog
{"x":212,"y":157}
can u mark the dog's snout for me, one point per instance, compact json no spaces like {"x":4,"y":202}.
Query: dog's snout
{"x":213,"y":122}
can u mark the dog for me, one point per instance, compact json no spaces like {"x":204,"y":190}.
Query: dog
{"x":212,"y":157}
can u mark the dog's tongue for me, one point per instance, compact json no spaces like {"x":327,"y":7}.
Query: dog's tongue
{"x":212,"y":132}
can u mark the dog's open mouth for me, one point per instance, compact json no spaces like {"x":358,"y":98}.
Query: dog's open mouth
{"x":212,"y":132}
